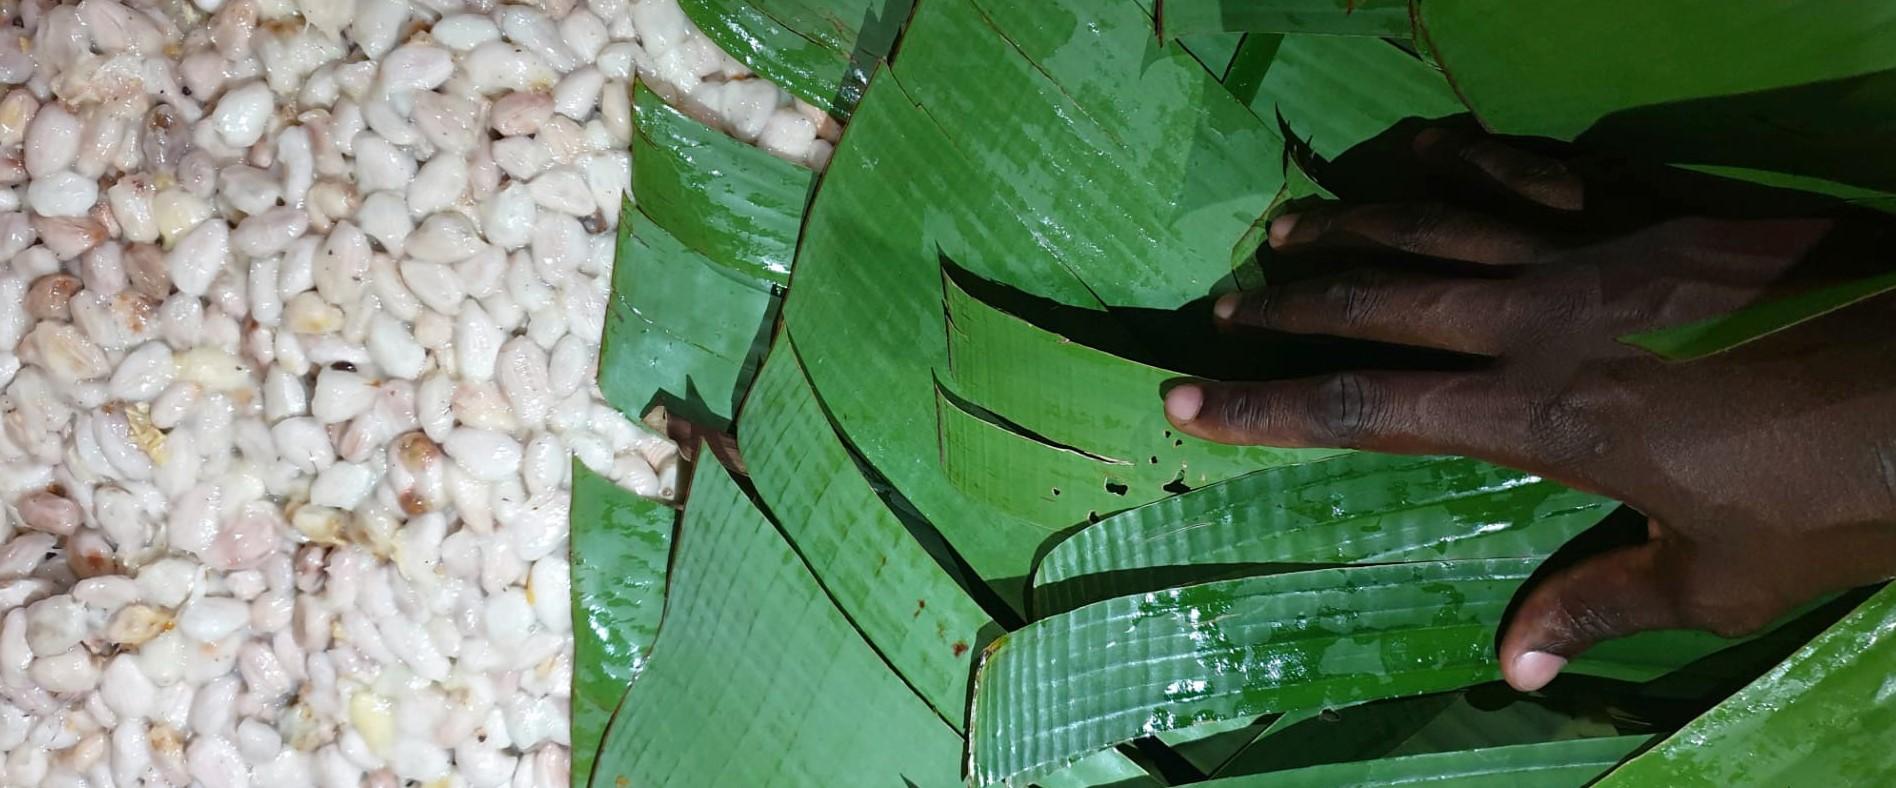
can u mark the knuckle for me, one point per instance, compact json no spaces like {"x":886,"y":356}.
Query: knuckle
{"x":1348,"y":409}
{"x":1564,"y":429}
{"x":1419,"y":227}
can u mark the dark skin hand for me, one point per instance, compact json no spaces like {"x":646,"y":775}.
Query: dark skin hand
{"x":1767,"y":472}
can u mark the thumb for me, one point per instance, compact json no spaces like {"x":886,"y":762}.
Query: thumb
{"x":1614,"y":594}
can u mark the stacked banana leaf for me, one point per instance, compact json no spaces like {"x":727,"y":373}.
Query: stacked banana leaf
{"x":963,"y":545}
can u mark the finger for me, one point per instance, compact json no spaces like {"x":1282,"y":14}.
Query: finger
{"x":1398,"y":412}
{"x":1463,"y":315}
{"x":1427,"y":229}
{"x":1482,"y":159}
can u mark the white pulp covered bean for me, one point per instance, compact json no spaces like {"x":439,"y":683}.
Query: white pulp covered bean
{"x":296,"y":350}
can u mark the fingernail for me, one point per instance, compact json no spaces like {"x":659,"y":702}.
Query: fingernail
{"x":1182,"y":402}
{"x":1281,"y":228}
{"x":1226,"y":306}
{"x":1534,"y":669}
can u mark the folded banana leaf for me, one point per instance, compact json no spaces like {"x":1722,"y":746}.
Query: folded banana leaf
{"x":1695,"y":82}
{"x":757,"y":678}
{"x":1093,"y":166}
{"x":1685,"y":81}
{"x":699,"y":261}
{"x":1337,"y":91}
{"x":821,"y":50}
{"x":904,"y":602}
{"x":1822,"y":717}
{"x":1357,"y":508}
{"x":1093,"y":402}
{"x":621,"y":544}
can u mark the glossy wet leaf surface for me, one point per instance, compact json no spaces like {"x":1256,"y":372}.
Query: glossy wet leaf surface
{"x":1822,"y":717}
{"x":699,"y":260}
{"x":1109,"y":170}
{"x":621,"y":544}
{"x":757,"y":678}
{"x":902,"y":600}
{"x":1561,"y":764}
{"x":1065,"y":686}
{"x":1355,"y":508}
{"x":821,"y":50}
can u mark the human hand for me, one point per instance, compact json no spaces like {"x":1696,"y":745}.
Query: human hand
{"x":1767,"y":472}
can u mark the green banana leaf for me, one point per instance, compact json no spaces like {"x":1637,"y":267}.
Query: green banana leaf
{"x":1208,"y":746}
{"x":1040,"y":483}
{"x":758,"y":679}
{"x":1685,"y":81}
{"x":905,"y":604}
{"x":1107,"y":170}
{"x":1356,"y":508}
{"x":731,"y":202}
{"x":1084,"y":399}
{"x":820,"y":50}
{"x":1065,"y":686}
{"x":1559,"y":764}
{"x":1822,"y":717}
{"x":1712,"y":335}
{"x":620,"y":546}
{"x":678,"y":331}
{"x":1338,"y":91}
{"x":1711,"y":85}
{"x":1103,"y":768}
{"x":699,"y":260}
{"x":1329,"y":17}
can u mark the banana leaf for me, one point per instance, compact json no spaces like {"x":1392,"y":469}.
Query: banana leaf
{"x":1329,"y":17}
{"x":820,"y":50}
{"x":1715,"y":334}
{"x":1559,"y":764}
{"x":699,"y":260}
{"x":1685,"y":81}
{"x":1103,"y":768}
{"x":1338,"y":91}
{"x":731,"y":202}
{"x":1356,"y":508}
{"x":1097,"y":404}
{"x":1710,"y":85}
{"x":906,"y":605}
{"x":1093,"y":166}
{"x":620,"y":546}
{"x":758,"y":679}
{"x":1822,"y":717}
{"x":1066,"y":686}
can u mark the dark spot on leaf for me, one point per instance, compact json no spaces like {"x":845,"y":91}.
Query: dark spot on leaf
{"x":920,"y":605}
{"x":960,"y":647}
{"x":1155,"y":459}
{"x":1178,"y":443}
{"x":1116,"y":488}
{"x":1177,"y":487}
{"x":1056,"y":491}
